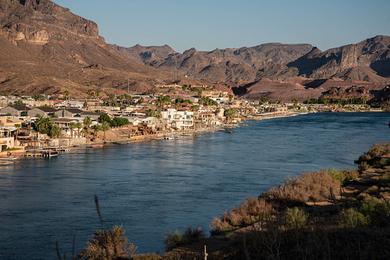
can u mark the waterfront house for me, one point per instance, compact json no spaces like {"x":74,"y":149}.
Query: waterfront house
{"x":7,"y":137}
{"x":153,"y":123}
{"x":16,"y":111}
{"x":10,"y":121}
{"x":41,"y":111}
{"x":206,"y":119}
{"x":180,"y":120}
{"x":65,"y":124}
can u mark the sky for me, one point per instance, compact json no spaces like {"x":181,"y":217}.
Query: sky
{"x":211,"y":24}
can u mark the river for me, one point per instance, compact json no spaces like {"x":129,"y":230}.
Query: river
{"x":152,"y":188}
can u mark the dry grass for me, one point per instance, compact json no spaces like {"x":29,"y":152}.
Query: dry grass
{"x":310,"y":187}
{"x":108,"y":244}
{"x":252,"y":210}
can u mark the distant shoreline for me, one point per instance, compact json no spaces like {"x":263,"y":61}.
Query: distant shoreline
{"x":20,"y":155}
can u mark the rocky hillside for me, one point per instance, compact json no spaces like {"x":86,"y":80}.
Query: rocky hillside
{"x":368,"y":60}
{"x":234,"y":66}
{"x":46,"y":48}
{"x":282,"y":71}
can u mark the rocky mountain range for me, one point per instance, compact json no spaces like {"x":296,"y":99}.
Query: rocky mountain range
{"x":46,"y":48}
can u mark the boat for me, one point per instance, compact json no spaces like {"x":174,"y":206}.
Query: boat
{"x":168,"y":138}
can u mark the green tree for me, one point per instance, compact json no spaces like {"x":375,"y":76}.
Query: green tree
{"x":230,"y":113}
{"x":104,"y":118}
{"x":72,"y":127}
{"x":87,"y":123}
{"x":54,"y":131}
{"x":206,"y":101}
{"x":119,"y":121}
{"x":153,"y":113}
{"x":96,"y":129}
{"x":105,"y":127}
{"x":43,"y":124}
{"x":163,"y":100}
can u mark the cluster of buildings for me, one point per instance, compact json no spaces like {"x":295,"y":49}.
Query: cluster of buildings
{"x":155,"y":113}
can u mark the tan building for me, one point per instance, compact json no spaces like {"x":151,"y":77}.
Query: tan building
{"x":7,"y":138}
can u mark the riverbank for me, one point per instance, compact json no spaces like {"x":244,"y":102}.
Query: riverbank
{"x":335,"y":214}
{"x":177,"y":183}
{"x":116,"y":138}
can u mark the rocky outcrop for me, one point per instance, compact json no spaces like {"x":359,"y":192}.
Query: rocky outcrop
{"x":365,"y":61}
{"x":232,"y":65}
{"x":45,"y":47}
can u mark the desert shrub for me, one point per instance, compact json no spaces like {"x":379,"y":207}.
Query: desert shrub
{"x":377,"y":211}
{"x":374,"y":157}
{"x":173,"y":240}
{"x":315,"y":187}
{"x":222,"y":224}
{"x":295,"y":218}
{"x":108,"y":244}
{"x":352,"y":218}
{"x":343,"y":176}
{"x":252,"y":210}
{"x":190,"y":235}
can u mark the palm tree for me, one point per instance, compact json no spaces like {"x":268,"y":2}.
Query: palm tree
{"x":96,"y":129}
{"x":87,"y":124}
{"x":72,"y":126}
{"x":105,"y":126}
{"x":79,"y":126}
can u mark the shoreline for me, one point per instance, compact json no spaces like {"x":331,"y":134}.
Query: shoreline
{"x":20,"y":155}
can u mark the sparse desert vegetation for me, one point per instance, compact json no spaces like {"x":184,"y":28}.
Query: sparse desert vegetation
{"x":330,"y":214}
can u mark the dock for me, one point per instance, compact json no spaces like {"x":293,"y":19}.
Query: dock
{"x":45,"y":152}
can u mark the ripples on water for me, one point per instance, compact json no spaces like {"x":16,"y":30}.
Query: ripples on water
{"x":155,"y":187}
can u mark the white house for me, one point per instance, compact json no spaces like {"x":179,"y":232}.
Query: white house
{"x":180,"y":120}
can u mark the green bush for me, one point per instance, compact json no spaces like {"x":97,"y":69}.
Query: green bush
{"x":295,"y":218}
{"x":352,"y":218}
{"x":374,"y":157}
{"x":104,"y":118}
{"x":377,"y":211}
{"x":177,"y":238}
{"x":343,"y":176}
{"x":119,"y":121}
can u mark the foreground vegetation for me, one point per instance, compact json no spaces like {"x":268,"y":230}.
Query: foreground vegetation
{"x":329,"y":214}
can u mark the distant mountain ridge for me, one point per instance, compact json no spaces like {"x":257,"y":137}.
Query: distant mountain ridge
{"x":233,"y":65}
{"x":368,"y":60}
{"x":45,"y":48}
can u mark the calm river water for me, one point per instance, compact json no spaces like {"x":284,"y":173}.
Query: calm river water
{"x":155,"y":187}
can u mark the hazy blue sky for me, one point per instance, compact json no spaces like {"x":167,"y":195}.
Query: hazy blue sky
{"x":210,"y":24}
